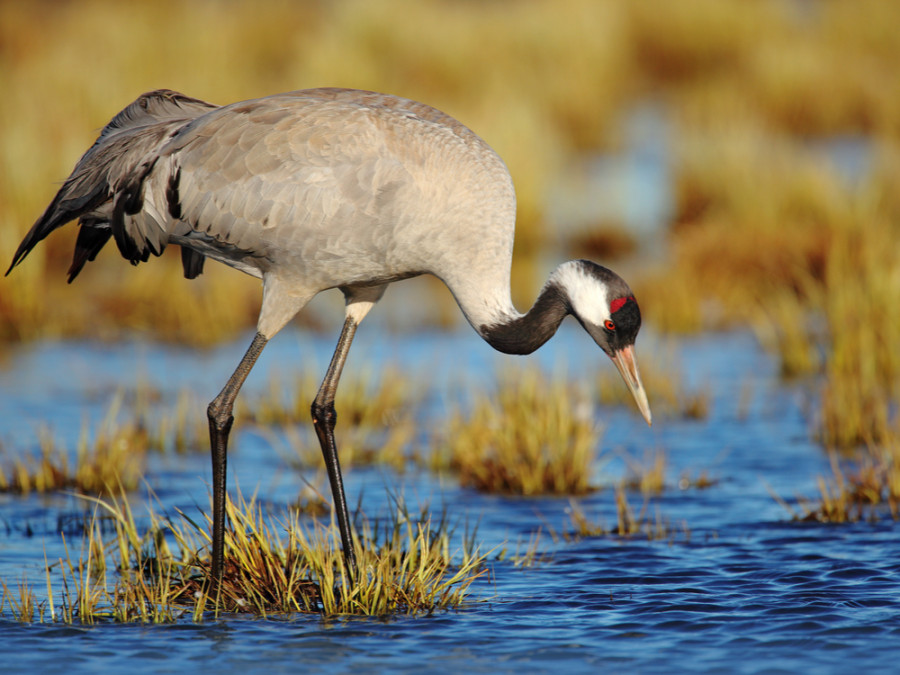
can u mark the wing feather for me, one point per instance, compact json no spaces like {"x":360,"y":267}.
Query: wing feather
{"x":109,"y":169}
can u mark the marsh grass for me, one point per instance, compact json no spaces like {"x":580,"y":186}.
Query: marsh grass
{"x":862,"y":369}
{"x":766,"y":232}
{"x":526,"y":554}
{"x":406,"y":565}
{"x":628,"y":522}
{"x":778,"y":238}
{"x":115,"y":456}
{"x":648,"y":476}
{"x":532,"y":435}
{"x":274,"y":567}
{"x":298,"y":446}
{"x":703,"y":480}
{"x":783,"y":330}
{"x":111,"y":456}
{"x":22,"y":602}
{"x":180,"y":426}
{"x":375,"y":418}
{"x":182,"y":429}
{"x":865,"y":489}
{"x":364,"y":399}
{"x":376,"y":427}
{"x":838,"y":326}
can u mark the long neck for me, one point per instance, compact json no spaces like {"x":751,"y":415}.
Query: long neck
{"x":524,"y":333}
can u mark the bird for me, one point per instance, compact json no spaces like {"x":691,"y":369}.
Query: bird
{"x":318,"y":189}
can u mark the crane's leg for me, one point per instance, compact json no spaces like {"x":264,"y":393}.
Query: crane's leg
{"x":221,"y":418}
{"x":324,"y":418}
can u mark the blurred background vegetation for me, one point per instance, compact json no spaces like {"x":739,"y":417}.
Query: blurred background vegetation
{"x":772,"y":128}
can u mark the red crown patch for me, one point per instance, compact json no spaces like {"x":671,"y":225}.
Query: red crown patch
{"x":616,"y":304}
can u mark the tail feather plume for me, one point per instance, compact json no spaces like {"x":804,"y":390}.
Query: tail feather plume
{"x":106,"y":184}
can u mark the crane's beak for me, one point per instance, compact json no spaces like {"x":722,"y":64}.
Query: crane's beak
{"x":628,"y":369}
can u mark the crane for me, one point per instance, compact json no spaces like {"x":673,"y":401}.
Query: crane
{"x":318,"y":189}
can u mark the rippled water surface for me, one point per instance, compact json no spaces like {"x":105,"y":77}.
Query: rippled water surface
{"x":738,"y":587}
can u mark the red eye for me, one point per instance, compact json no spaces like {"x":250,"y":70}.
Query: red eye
{"x":609,"y":325}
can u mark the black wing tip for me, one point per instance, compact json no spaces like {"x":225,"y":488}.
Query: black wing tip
{"x":22,"y":252}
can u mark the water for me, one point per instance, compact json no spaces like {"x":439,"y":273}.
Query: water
{"x":739,"y":587}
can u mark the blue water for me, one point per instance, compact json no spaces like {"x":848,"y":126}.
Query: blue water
{"x":737,"y":587}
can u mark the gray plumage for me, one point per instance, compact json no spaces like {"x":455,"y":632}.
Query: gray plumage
{"x":309,"y":190}
{"x":318,"y":189}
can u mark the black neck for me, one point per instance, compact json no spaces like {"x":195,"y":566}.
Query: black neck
{"x":524,"y":334}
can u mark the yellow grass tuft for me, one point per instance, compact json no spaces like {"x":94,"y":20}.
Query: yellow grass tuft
{"x":375,"y":424}
{"x":114,"y":458}
{"x":22,"y":602}
{"x":628,"y":524}
{"x":160,"y":573}
{"x":647,"y":476}
{"x":531,"y":436}
{"x":866,"y":489}
{"x":113,"y":455}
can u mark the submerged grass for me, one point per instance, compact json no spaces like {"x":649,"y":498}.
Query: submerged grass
{"x":160,"y":573}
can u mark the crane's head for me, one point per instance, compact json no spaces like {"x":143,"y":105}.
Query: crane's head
{"x":604,"y":304}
